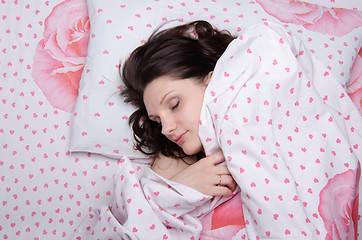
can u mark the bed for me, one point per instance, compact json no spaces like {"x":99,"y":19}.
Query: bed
{"x":64,"y":127}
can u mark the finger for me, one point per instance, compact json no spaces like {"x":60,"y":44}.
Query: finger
{"x":222,"y":170}
{"x":218,"y":179}
{"x":228,"y":181}
{"x":221,"y":191}
{"x":216,"y":158}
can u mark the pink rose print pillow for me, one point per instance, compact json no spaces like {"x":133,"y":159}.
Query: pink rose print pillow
{"x":100,"y":123}
{"x":61,"y":54}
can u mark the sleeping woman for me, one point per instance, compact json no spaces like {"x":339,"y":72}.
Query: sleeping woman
{"x":183,"y":54}
{"x":286,"y":128}
{"x":257,"y":113}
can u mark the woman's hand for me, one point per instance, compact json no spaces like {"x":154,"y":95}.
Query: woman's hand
{"x":207,"y":177}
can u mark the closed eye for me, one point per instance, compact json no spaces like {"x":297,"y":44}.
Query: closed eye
{"x":176,"y":105}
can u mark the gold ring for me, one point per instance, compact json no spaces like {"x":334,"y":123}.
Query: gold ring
{"x":219,"y":179}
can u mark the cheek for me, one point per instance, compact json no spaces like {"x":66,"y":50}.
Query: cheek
{"x":194,"y":112}
{"x":199,"y":103}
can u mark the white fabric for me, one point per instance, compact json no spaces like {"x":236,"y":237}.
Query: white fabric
{"x":150,"y":208}
{"x":288,"y":131}
{"x":45,"y":189}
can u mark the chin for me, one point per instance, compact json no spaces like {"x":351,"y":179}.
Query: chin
{"x":192,"y":151}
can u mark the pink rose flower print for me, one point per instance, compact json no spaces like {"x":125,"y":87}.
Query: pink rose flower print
{"x":354,"y":85}
{"x":225,"y":221}
{"x":60,"y":56}
{"x":333,"y":21}
{"x":338,"y":205}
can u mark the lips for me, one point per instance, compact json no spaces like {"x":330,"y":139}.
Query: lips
{"x":180,"y":138}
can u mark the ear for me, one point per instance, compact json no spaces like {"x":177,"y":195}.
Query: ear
{"x":208,"y":78}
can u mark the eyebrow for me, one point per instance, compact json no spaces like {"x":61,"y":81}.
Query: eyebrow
{"x":165,"y":96}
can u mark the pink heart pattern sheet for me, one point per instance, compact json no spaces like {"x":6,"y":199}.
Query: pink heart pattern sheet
{"x":46,"y":190}
{"x":290,"y":136}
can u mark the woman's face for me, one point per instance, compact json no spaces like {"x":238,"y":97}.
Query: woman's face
{"x":176,"y":105}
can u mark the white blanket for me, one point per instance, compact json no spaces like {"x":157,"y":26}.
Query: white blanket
{"x":148,"y":208}
{"x":291,"y":137}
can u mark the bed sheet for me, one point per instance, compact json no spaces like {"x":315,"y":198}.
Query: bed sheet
{"x":45,"y":189}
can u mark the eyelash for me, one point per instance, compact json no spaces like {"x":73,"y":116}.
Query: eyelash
{"x":175,"y":106}
{"x":172,"y":108}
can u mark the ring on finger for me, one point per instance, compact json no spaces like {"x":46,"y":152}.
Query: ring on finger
{"x":220,"y":178}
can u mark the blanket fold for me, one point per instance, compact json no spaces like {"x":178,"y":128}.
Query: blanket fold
{"x":151,"y":207}
{"x":290,"y":135}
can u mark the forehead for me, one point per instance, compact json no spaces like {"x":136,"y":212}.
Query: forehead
{"x":157,"y":88}
{"x":165,"y":84}
{"x":161,"y":83}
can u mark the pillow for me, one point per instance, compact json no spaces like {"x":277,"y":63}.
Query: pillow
{"x":100,"y":122}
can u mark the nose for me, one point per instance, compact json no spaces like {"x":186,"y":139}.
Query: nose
{"x":168,"y":125}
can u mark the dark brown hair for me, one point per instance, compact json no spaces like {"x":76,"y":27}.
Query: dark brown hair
{"x":186,"y":51}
